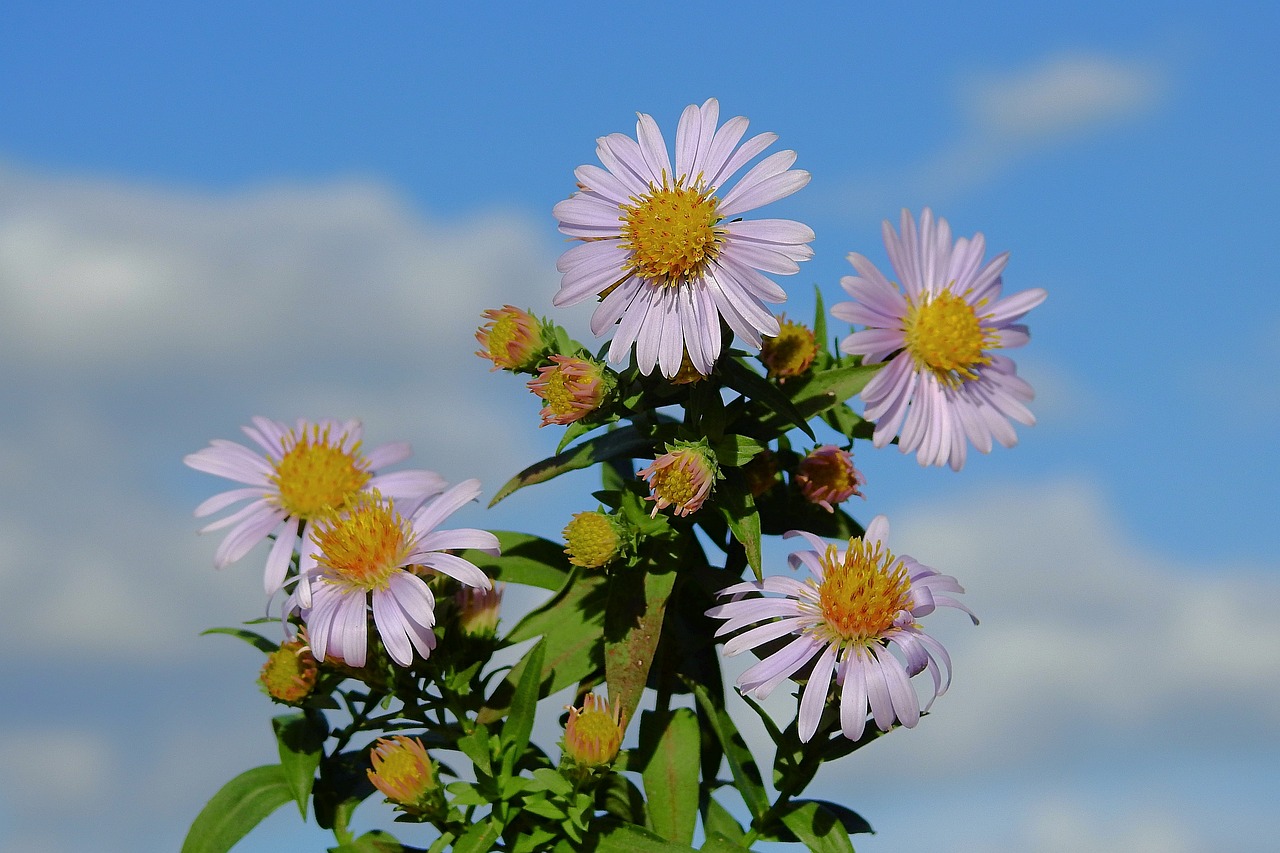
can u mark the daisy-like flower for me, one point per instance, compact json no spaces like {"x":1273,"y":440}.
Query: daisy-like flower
{"x":945,"y":382}
{"x":593,"y":735}
{"x":791,"y":352}
{"x":682,"y":477}
{"x":860,"y":601}
{"x":511,"y":339}
{"x":371,"y":554}
{"x":304,"y":473}
{"x":664,"y":248}
{"x":570,"y":388}
{"x":827,"y":476}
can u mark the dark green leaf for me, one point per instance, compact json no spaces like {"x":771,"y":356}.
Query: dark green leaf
{"x":524,"y":705}
{"x":479,"y":838}
{"x":344,"y":784}
{"x":669,"y":743}
{"x":619,"y":796}
{"x":374,"y":841}
{"x":617,"y":837}
{"x":739,"y":510}
{"x":818,"y":828}
{"x":238,"y":807}
{"x":814,"y":394}
{"x":633,"y":623}
{"x":526,"y":559}
{"x":627,"y":442}
{"x":258,"y":641}
{"x":746,"y":774}
{"x":717,"y":821}
{"x":300,"y":739}
{"x":735,"y":451}
{"x":819,"y":321}
{"x":719,"y":843}
{"x":577,"y":429}
{"x":476,"y":747}
{"x":747,"y":382}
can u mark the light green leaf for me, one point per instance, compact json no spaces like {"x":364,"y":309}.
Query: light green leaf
{"x":671,"y":749}
{"x":238,"y":807}
{"x":735,"y":451}
{"x":719,"y":843}
{"x":374,"y":841}
{"x":479,"y":838}
{"x":628,"y":838}
{"x":717,"y":821}
{"x":627,"y":441}
{"x":524,"y":705}
{"x":300,"y":739}
{"x":633,"y":624}
{"x":739,"y":510}
{"x":526,"y":559}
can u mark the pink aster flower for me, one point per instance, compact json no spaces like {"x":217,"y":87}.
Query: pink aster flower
{"x":368,"y":558}
{"x":682,"y":477}
{"x":827,"y":476}
{"x":945,"y":382}
{"x":570,"y":387}
{"x":304,"y":473}
{"x":665,"y":249}
{"x":859,"y":602}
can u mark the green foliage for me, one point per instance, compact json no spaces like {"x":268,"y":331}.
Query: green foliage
{"x":238,"y":807}
{"x":669,"y":745}
{"x":300,"y":738}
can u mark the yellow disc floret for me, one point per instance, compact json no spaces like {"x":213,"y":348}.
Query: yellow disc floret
{"x":316,"y":476}
{"x":366,"y":544}
{"x":945,"y":335}
{"x":671,"y":232}
{"x":862,"y":594}
{"x":593,"y":735}
{"x":591,"y":539}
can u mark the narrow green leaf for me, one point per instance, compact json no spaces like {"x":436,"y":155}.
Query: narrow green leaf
{"x":524,"y":704}
{"x":238,"y":807}
{"x":814,"y":394}
{"x":633,"y":624}
{"x":718,"y":843}
{"x":818,"y":828}
{"x":735,"y":451}
{"x":526,"y":559}
{"x":739,"y":510}
{"x":627,"y":441}
{"x":670,"y":773}
{"x":300,"y":739}
{"x":258,"y":641}
{"x":819,"y":320}
{"x":746,"y":774}
{"x":750,"y":384}
{"x":479,"y":838}
{"x":617,"y":837}
{"x":717,"y":821}
{"x":619,"y":796}
{"x":577,"y":429}
{"x":375,"y":841}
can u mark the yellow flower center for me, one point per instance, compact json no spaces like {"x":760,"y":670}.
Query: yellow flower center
{"x":676,"y":483}
{"x":946,"y":336}
{"x":593,"y":735}
{"x":315,"y":477}
{"x":590,"y":540}
{"x":401,"y":770}
{"x":670,"y":232}
{"x":791,"y":352}
{"x":289,"y":673}
{"x":559,"y":392}
{"x":862,"y":594}
{"x":366,"y":545}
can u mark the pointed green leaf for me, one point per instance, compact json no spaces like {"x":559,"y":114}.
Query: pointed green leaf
{"x":619,"y":796}
{"x":736,"y":450}
{"x":669,"y":743}
{"x":374,"y":841}
{"x":618,"y":837}
{"x":750,"y":384}
{"x":819,"y":320}
{"x":524,"y":705}
{"x":526,"y":559}
{"x":479,"y":838}
{"x":238,"y":807}
{"x":300,"y":739}
{"x":633,"y":623}
{"x":717,"y":822}
{"x":818,"y":828}
{"x":739,"y":510}
{"x":719,"y":843}
{"x":258,"y":641}
{"x":627,"y":441}
{"x":812,"y":395}
{"x":746,"y":774}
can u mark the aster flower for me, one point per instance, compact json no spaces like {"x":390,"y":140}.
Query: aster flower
{"x":944,"y":383}
{"x":303,"y":473}
{"x":791,"y":352}
{"x":682,"y":477}
{"x":371,"y":554}
{"x":593,"y":735}
{"x":861,"y":601}
{"x":511,"y":339}
{"x":827,"y":476}
{"x":401,"y":771}
{"x":664,"y":248}
{"x":570,"y":387}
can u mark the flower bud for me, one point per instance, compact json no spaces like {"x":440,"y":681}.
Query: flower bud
{"x":290,"y":673}
{"x":827,"y":476}
{"x":761,"y":472}
{"x":511,"y":339}
{"x":593,"y":735}
{"x":789,"y":353}
{"x":592,"y":539}
{"x":571,"y":388}
{"x":478,"y":610}
{"x":682,"y":477}
{"x":402,"y":772}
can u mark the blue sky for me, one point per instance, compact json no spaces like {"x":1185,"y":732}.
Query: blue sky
{"x":210,"y":213}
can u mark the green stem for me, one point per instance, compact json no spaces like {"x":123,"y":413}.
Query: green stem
{"x":784,"y":794}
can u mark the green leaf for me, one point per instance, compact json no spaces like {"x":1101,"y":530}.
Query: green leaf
{"x":750,"y":384}
{"x":238,"y":807}
{"x":479,"y":838}
{"x":577,"y":429}
{"x":476,"y":747}
{"x":717,"y":821}
{"x":669,"y":743}
{"x":746,"y":773}
{"x":617,"y":837}
{"x":619,"y":796}
{"x":572,"y":626}
{"x":546,"y":779}
{"x":526,"y":559}
{"x":812,"y":395}
{"x":258,"y":641}
{"x":344,"y":784}
{"x":633,"y":623}
{"x":735,"y":451}
{"x":719,"y":843}
{"x":739,"y":510}
{"x":627,"y":441}
{"x":300,"y":738}
{"x":818,"y":828}
{"x":374,"y":841}
{"x":819,"y":320}
{"x":524,"y":705}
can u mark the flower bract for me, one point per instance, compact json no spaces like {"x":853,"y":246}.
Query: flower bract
{"x":664,"y":248}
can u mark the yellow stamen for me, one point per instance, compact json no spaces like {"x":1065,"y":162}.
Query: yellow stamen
{"x":945,"y":335}
{"x":862,"y":594}
{"x":670,"y":232}
{"x":366,"y":545}
{"x":316,"y":477}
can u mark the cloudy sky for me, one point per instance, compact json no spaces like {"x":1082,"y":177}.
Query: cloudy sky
{"x":302,"y":209}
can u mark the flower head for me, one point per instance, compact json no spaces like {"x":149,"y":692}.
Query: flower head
{"x":593,"y":735}
{"x":478,"y":609}
{"x":371,"y":554}
{"x":570,"y":387}
{"x":860,"y":601}
{"x":665,"y":249}
{"x":304,"y":473}
{"x":592,"y":539}
{"x":682,"y":477}
{"x":401,"y":770}
{"x":945,"y":382}
{"x":511,"y":339}
{"x":827,"y":476}
{"x":290,"y":673}
{"x":791,"y":351}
